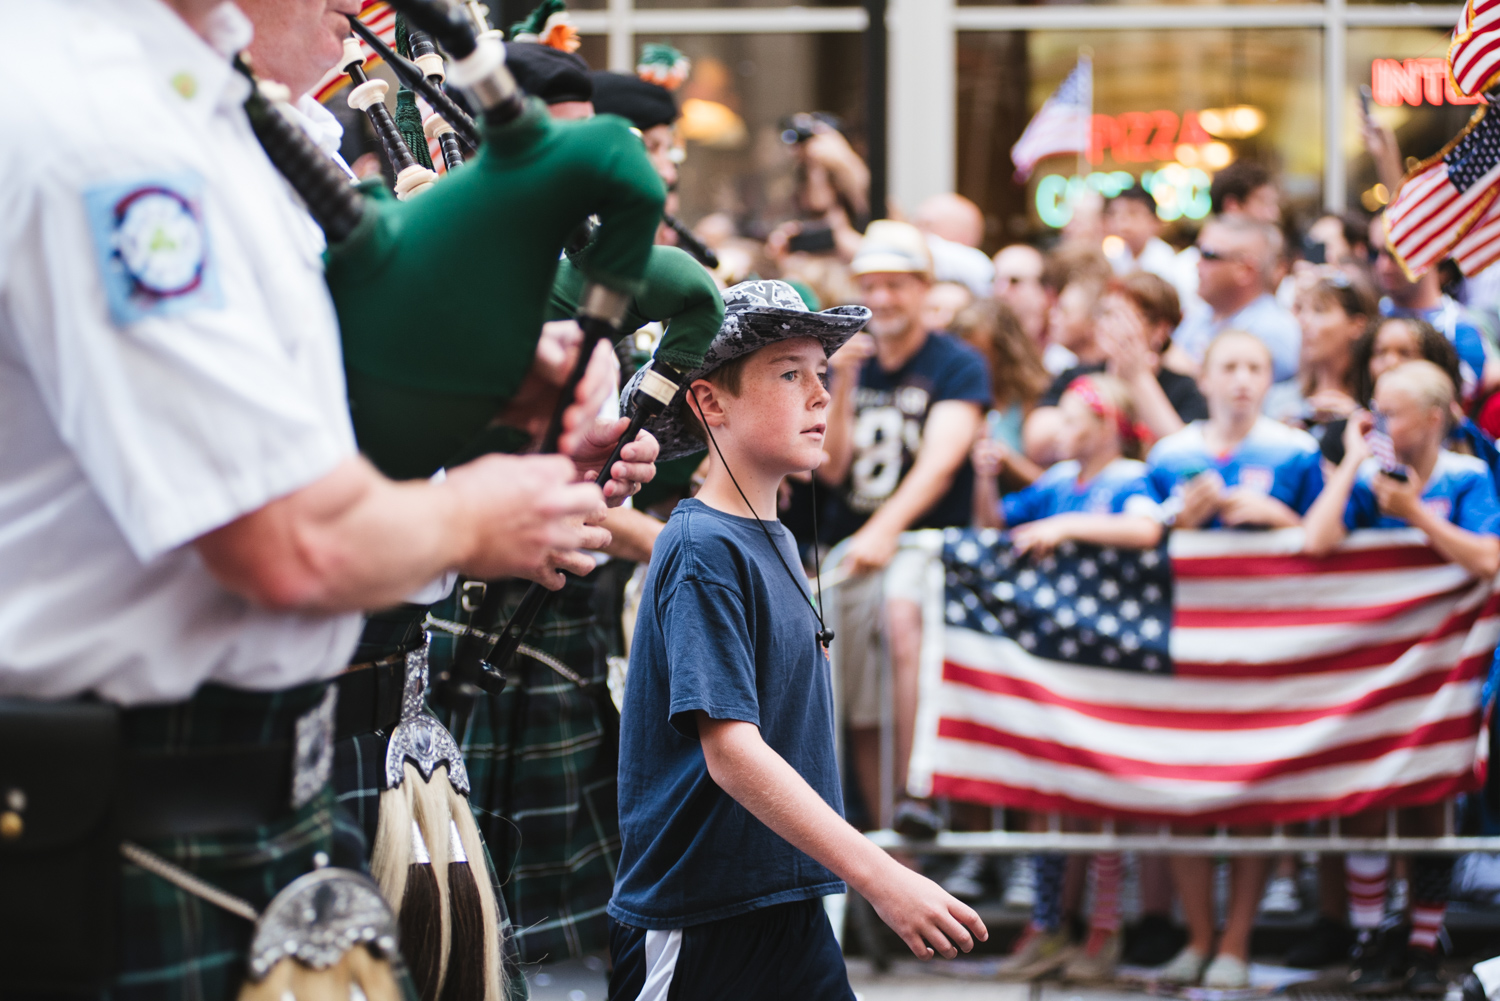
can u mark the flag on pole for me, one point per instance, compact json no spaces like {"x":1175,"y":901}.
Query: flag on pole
{"x":1474,"y":53}
{"x":1063,"y":125}
{"x":1445,"y":195}
{"x":1296,"y":687}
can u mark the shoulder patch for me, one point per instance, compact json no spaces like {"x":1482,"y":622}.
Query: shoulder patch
{"x":152,"y":247}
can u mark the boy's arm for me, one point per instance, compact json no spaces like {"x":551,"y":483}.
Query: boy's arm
{"x":1128,"y":531}
{"x":760,"y":780}
{"x":952,"y":426}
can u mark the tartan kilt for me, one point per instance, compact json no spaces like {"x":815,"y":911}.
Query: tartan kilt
{"x":358,"y":780}
{"x":542,"y":759}
{"x":174,"y":946}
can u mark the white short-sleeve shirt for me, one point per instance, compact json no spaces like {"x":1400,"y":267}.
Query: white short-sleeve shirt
{"x":169,"y":360}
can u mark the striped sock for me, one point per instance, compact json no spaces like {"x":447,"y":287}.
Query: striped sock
{"x":1046,"y":913}
{"x":1431,"y":882}
{"x":1105,"y":871}
{"x":1365,"y":875}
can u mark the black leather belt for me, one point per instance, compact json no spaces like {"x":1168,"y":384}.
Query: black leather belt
{"x":370,"y":697}
{"x":205,"y":790}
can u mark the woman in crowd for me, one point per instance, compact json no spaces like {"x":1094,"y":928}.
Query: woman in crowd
{"x":1097,"y":494}
{"x":1017,"y":379}
{"x":1236,"y":469}
{"x":1334,"y":313}
{"x":1451,"y":498}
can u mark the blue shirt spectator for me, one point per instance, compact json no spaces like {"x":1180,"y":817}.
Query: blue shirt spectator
{"x":1274,"y":459}
{"x":1263,"y":317}
{"x":1455,"y":323}
{"x":1120,"y":485}
{"x":1460,"y":490}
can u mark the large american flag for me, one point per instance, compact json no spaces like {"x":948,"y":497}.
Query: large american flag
{"x":1295,"y":687}
{"x":1444,"y":196}
{"x":1474,"y":53}
{"x":1064,"y":123}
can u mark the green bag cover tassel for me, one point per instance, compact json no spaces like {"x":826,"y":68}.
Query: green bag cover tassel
{"x":408,"y":118}
{"x":441,"y":299}
{"x":678,"y":292}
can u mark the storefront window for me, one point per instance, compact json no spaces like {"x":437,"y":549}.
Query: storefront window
{"x":1406,"y":71}
{"x":742,"y":88}
{"x":1170,"y":108}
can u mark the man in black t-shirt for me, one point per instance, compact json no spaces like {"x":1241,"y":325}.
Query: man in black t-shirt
{"x":907,"y":406}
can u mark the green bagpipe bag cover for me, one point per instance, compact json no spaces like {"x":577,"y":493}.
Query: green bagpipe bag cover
{"x":677,"y":291}
{"x":441,"y":298}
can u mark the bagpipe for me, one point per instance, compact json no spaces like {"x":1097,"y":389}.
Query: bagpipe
{"x":483,"y":242}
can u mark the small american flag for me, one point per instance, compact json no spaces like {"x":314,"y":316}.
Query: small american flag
{"x":1480,"y":246}
{"x":1063,"y":125}
{"x":1474,"y":53}
{"x":1445,"y":196}
{"x":1295,"y":687}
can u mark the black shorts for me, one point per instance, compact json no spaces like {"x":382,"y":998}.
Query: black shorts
{"x":786,"y":952}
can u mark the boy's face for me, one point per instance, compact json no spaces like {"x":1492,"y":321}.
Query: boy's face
{"x":1236,"y":377}
{"x":780,"y":415}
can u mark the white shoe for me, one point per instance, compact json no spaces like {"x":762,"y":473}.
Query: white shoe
{"x":1184,"y":970}
{"x":1226,"y":973}
{"x":1020,"y":885}
{"x":966,"y":881}
{"x":1281,"y":897}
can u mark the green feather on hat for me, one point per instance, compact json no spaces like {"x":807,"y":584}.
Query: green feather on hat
{"x":663,"y":65}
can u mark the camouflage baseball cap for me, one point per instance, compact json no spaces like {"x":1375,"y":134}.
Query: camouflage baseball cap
{"x":756,"y":313}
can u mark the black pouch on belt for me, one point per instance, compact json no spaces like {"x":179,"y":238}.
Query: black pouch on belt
{"x":59,"y":846}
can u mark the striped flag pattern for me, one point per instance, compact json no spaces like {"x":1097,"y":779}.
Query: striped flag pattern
{"x":1480,"y":246}
{"x":378,"y":16}
{"x":1474,"y":53}
{"x":1301,"y":688}
{"x":1444,"y":196}
{"x":1064,"y":123}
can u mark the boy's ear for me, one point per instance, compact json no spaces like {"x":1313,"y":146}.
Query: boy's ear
{"x":706,"y":402}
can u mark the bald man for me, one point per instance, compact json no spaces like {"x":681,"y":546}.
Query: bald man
{"x":954,"y":227}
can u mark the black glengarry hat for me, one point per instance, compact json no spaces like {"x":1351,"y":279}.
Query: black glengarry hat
{"x":756,"y":313}
{"x":551,"y":74}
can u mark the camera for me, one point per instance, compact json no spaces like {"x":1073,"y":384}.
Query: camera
{"x":801,"y":127}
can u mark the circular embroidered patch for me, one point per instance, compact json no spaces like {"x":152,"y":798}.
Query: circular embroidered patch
{"x":160,"y":241}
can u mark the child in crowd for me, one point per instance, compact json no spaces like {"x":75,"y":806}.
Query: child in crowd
{"x":730,"y":810}
{"x":1238,"y":468}
{"x":1451,"y":498}
{"x":1097,"y":494}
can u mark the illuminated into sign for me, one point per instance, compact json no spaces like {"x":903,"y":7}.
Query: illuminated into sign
{"x":1179,"y":192}
{"x":1395,"y":82}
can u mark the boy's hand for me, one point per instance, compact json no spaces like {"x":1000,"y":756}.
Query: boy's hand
{"x":928,"y":919}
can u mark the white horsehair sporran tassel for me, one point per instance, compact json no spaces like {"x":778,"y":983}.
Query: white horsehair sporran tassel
{"x":425,"y":855}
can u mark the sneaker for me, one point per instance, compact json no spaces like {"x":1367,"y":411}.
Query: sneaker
{"x":1376,"y":961}
{"x":1326,"y":943}
{"x":915,"y":819}
{"x":1185,"y":969}
{"x":1226,"y":973}
{"x":1037,"y":954}
{"x":1020,"y":884}
{"x":1399,"y":896}
{"x":1425,"y":977}
{"x":1474,"y":988}
{"x":1096,"y":961}
{"x":966,"y":881}
{"x":1281,"y":897}
{"x":1154,"y":940}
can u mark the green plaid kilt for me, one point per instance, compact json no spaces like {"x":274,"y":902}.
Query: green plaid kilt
{"x":542,"y":762}
{"x":358,"y":780}
{"x":174,"y":945}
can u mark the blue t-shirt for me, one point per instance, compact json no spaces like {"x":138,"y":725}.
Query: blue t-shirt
{"x":1057,"y":491}
{"x":1263,"y":317}
{"x":1460,"y":490}
{"x":890,"y":414}
{"x":723,"y":628}
{"x":1455,"y":323}
{"x":1273,"y":459}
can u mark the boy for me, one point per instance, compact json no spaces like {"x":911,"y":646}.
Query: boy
{"x":730,"y":810}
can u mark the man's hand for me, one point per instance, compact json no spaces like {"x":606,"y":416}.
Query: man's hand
{"x":1399,"y":498}
{"x":530,"y":518}
{"x":1250,"y":507}
{"x":635,"y":467}
{"x":1201,"y":500}
{"x":928,"y":919}
{"x":532,"y":407}
{"x":870,"y":549}
{"x":845,"y":363}
{"x":1040,"y":537}
{"x":988,"y":457}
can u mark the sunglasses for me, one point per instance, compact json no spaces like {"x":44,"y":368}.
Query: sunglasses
{"x":1209,"y":254}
